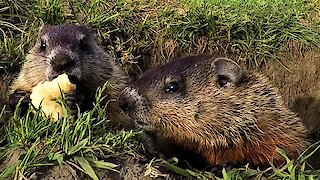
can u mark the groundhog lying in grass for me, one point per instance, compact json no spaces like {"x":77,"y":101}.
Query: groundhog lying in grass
{"x":210,"y":106}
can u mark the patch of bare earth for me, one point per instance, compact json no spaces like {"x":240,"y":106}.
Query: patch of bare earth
{"x":133,"y":168}
{"x":298,"y":80}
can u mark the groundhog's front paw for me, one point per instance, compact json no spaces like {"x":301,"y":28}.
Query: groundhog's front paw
{"x":74,"y":101}
{"x":18,"y":95}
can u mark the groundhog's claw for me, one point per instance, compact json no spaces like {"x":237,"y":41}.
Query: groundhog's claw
{"x":15,"y":97}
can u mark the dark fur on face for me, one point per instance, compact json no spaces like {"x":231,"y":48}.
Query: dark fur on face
{"x":62,"y":48}
{"x":212,"y":107}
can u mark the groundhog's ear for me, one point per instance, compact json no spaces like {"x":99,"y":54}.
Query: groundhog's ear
{"x":86,"y":27}
{"x":42,"y":29}
{"x":227,"y":71}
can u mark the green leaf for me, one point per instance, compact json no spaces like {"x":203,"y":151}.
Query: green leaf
{"x":8,"y":171}
{"x":58,"y":157}
{"x":104,"y":165}
{"x":225,"y":174}
{"x":77,"y":147}
{"x":86,"y":167}
{"x":176,"y":169}
{"x":249,"y":173}
{"x":195,"y":174}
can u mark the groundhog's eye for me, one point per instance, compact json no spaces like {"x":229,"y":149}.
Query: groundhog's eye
{"x":43,"y":45}
{"x":83,"y":44}
{"x":172,"y":87}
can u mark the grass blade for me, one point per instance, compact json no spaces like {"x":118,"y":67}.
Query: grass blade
{"x":86,"y":167}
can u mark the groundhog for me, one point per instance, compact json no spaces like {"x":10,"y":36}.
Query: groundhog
{"x":72,"y":49}
{"x":214,"y":108}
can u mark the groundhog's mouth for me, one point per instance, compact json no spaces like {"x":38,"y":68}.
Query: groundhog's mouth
{"x":73,"y":79}
{"x":52,"y":77}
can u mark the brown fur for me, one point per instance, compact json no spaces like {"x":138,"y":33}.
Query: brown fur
{"x":93,"y":66}
{"x":219,"y":112}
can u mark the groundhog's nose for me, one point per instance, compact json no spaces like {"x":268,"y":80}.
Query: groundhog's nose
{"x":126,"y":102}
{"x":61,"y":62}
{"x":73,"y":79}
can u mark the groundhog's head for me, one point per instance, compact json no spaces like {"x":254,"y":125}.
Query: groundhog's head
{"x":178,"y":90}
{"x":211,"y":106}
{"x":63,"y":48}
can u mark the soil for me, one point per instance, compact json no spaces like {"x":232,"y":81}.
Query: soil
{"x":298,"y":80}
{"x":130,"y":169}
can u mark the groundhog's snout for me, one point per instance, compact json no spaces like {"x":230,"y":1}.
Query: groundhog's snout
{"x":134,"y":105}
{"x":63,"y":62}
{"x":126,"y":100}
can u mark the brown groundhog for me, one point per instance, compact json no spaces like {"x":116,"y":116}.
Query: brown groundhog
{"x":212,"y":107}
{"x":72,"y":50}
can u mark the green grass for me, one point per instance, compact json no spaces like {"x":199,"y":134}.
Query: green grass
{"x":83,"y":141}
{"x":143,"y":34}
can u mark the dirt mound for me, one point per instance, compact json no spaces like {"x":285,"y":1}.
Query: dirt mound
{"x":298,"y":80}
